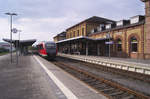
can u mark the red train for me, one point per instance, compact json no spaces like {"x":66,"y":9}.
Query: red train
{"x":47,"y":49}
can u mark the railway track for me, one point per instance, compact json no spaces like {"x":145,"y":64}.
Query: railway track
{"x":133,"y":75}
{"x":108,"y":88}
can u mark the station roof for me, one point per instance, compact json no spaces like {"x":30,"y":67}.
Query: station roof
{"x":144,"y":0}
{"x":95,"y":19}
{"x":119,"y":27}
{"x":22,"y":42}
{"x":82,"y":37}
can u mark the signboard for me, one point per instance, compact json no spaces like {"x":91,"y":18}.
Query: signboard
{"x":118,"y":32}
{"x":107,"y":35}
{"x":14,"y":30}
{"x":111,"y":42}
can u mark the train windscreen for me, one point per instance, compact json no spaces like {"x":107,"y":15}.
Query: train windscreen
{"x":50,"y":45}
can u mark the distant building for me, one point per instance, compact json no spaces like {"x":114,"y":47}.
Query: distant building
{"x":6,"y":46}
{"x":104,"y":37}
{"x":59,"y":37}
{"x":87,"y":26}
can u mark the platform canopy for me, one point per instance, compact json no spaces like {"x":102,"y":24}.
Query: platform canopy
{"x":82,"y":38}
{"x":21,"y":42}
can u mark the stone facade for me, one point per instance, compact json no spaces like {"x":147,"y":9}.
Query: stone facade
{"x":75,"y":31}
{"x":125,"y":35}
{"x":147,"y":28}
{"x":130,"y":40}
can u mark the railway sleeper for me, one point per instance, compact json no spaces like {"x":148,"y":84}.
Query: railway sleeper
{"x":107,"y":89}
{"x":111,"y":91}
{"x":122,"y":95}
{"x":80,"y":76}
{"x":87,"y":79}
{"x":114,"y":94}
{"x":91,"y":81}
{"x":125,"y":96}
{"x":95,"y":83}
{"x":128,"y":97}
{"x":70,"y":71}
{"x":101,"y":86}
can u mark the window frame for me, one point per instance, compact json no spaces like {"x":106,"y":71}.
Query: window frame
{"x":134,"y":44}
{"x":119,"y":45}
{"x":82,"y":31}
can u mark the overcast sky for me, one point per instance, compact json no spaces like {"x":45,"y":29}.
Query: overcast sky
{"x":43,"y":19}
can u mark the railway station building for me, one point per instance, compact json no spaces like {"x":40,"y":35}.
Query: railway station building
{"x":60,"y":36}
{"x":104,"y":37}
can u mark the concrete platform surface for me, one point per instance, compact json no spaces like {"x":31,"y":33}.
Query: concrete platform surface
{"x":37,"y":78}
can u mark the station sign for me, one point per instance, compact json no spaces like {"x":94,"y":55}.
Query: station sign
{"x":111,"y":42}
{"x":14,"y":30}
{"x":107,"y":35}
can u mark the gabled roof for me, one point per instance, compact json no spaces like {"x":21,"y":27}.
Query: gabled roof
{"x":61,"y":34}
{"x":120,"y":27}
{"x":95,"y":19}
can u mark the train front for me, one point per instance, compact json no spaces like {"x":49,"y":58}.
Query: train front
{"x":51,"y":50}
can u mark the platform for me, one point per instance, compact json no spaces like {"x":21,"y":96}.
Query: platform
{"x":37,"y":78}
{"x":141,"y":66}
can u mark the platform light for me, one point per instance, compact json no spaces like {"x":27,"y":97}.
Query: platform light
{"x":11,"y":14}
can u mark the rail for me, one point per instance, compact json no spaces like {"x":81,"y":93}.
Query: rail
{"x":108,"y":88}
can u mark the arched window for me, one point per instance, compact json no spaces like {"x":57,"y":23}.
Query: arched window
{"x":134,"y":44}
{"x":119,"y":45}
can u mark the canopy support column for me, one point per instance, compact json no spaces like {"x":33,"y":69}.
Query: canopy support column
{"x":98,"y":49}
{"x":87,"y":50}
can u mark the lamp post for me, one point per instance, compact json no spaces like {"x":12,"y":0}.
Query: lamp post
{"x":19,"y":34}
{"x":109,"y":44}
{"x":19,"y":41}
{"x":109,"y":37}
{"x":11,"y":14}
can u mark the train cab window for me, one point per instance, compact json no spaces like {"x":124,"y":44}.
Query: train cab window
{"x":134,"y":44}
{"x":40,"y":47}
{"x":119,"y":45}
{"x":51,"y":45}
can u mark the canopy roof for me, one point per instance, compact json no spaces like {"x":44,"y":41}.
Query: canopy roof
{"x":82,"y":37}
{"x":22,"y":42}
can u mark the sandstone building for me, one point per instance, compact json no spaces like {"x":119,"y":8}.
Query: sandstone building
{"x":104,"y":37}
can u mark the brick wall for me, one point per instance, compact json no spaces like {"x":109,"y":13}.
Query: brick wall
{"x":147,"y":31}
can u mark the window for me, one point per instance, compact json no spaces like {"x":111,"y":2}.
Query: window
{"x":50,"y":45}
{"x":74,"y":33}
{"x":119,"y":45}
{"x":134,"y":44}
{"x":67,"y":35}
{"x":70,"y":35}
{"x":40,"y":47}
{"x":78,"y":33}
{"x":82,"y":31}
